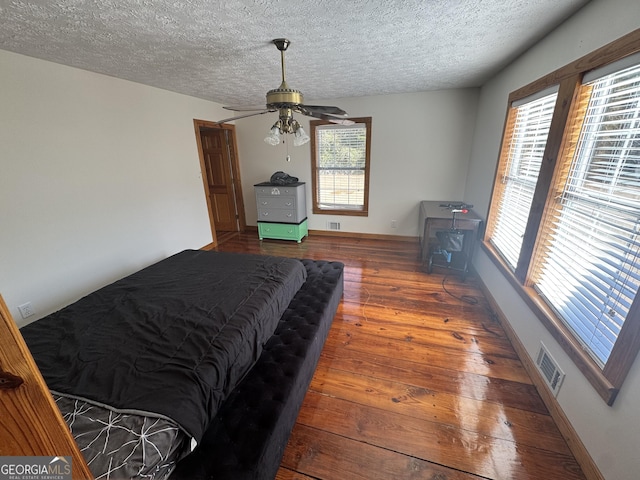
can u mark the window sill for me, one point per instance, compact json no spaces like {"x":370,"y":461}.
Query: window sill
{"x":345,"y":211}
{"x":558,"y":330}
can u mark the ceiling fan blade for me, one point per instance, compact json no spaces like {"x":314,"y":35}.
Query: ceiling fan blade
{"x":324,"y":116}
{"x":329,"y":118}
{"x":243,"y":116}
{"x":325,"y":109}
{"x":245,"y":108}
{"x":340,"y":121}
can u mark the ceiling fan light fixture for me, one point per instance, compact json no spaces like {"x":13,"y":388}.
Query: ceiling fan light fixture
{"x":300,"y":137}
{"x":273,"y":138}
{"x":287,"y":124}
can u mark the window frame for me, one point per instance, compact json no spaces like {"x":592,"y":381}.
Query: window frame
{"x":607,"y":381}
{"x":364,"y":211}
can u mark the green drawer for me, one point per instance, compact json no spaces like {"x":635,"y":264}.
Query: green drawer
{"x":283,"y":231}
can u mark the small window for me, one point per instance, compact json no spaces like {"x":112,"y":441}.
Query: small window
{"x":340,"y":159}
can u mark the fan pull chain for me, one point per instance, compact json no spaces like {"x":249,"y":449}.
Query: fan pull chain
{"x":288,"y":157}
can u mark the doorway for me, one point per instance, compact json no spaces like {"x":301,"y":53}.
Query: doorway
{"x":220,"y":168}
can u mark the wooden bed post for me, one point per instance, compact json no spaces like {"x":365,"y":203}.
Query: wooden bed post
{"x":30,"y":422}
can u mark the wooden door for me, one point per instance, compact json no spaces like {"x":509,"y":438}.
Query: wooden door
{"x":216,"y":154}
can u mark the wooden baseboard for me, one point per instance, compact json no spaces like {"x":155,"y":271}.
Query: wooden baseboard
{"x":369,"y":236}
{"x":576,"y":446}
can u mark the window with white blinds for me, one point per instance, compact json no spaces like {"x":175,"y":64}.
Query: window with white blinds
{"x":340,"y":158}
{"x":525,"y":140}
{"x":589,"y":268}
{"x":574,"y":254}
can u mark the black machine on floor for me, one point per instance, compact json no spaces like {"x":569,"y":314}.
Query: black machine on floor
{"x":449,"y":251}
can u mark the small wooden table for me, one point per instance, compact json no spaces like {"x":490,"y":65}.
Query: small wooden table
{"x":437,"y":216}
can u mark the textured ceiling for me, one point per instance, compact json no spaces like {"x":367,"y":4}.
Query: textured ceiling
{"x":222,"y":50}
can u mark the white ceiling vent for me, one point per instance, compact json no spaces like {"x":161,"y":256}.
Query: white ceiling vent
{"x":550,"y":370}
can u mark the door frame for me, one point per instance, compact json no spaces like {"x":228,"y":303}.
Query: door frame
{"x":235,"y":172}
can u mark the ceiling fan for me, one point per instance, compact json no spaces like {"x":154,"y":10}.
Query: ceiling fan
{"x":286,"y":101}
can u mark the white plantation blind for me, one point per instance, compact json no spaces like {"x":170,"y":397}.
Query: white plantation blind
{"x":341,"y":154}
{"x":590,"y":268}
{"x":526,"y":138}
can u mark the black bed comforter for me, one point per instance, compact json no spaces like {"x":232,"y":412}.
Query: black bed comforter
{"x":171,"y":340}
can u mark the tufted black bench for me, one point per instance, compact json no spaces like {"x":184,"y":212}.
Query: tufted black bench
{"x":246,"y":440}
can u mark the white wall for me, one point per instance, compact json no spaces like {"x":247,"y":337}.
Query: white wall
{"x":99,"y":177}
{"x":420,"y":148}
{"x":611,"y":434}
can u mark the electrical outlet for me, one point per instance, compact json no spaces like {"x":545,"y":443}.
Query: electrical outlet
{"x":394,"y":224}
{"x":26,"y":310}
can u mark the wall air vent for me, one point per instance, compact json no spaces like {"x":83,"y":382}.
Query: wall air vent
{"x":333,"y":225}
{"x":547,"y":365}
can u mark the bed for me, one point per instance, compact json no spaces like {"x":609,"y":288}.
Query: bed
{"x":194,"y":367}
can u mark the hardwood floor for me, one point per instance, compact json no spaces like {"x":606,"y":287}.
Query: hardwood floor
{"x":414,"y":382}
